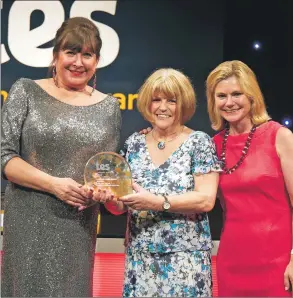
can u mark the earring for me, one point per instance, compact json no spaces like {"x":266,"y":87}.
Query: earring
{"x":54,"y":76}
{"x":94,"y":83}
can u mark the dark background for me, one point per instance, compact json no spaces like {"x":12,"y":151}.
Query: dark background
{"x":194,"y":36}
{"x":270,"y":23}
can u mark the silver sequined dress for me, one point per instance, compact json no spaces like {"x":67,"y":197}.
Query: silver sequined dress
{"x":48,"y":245}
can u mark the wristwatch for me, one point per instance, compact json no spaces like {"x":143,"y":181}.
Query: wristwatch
{"x":166,"y":205}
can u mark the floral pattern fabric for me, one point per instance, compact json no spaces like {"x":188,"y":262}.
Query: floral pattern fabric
{"x":169,"y":250}
{"x":179,"y":274}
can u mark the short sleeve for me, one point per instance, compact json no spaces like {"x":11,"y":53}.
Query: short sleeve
{"x":204,"y":159}
{"x":124,"y":152}
{"x":14,"y":112}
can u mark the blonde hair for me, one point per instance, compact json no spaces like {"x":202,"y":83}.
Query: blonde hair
{"x":173,"y":84}
{"x":248,"y":84}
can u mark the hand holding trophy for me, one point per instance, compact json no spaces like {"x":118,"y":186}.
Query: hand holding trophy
{"x":110,"y":172}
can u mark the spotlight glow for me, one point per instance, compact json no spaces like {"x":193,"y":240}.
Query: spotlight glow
{"x":257,"y":45}
{"x":287,"y":121}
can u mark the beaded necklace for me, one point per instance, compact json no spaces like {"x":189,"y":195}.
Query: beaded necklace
{"x":244,"y":151}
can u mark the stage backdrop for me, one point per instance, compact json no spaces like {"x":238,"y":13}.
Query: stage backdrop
{"x":138,"y":37}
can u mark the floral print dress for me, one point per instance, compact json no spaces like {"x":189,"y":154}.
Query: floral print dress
{"x":169,"y":254}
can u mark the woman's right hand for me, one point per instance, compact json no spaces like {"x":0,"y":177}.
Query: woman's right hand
{"x":99,"y":196}
{"x":145,"y":131}
{"x":103,"y":195}
{"x":70,"y":192}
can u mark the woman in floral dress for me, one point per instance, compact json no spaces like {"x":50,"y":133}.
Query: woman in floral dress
{"x":175,"y":174}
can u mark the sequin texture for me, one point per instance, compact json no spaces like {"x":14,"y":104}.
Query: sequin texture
{"x":48,"y":245}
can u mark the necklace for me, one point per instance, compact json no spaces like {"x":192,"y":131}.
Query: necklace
{"x":162,"y":144}
{"x":244,"y":151}
{"x":81,"y":91}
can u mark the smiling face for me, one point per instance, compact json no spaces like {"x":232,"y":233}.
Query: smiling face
{"x":76,"y":52}
{"x":74,"y":69}
{"x":231,"y":102}
{"x":164,"y":112}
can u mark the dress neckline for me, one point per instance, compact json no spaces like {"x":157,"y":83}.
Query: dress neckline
{"x":65,"y":103}
{"x":243,"y":137}
{"x":154,"y":166}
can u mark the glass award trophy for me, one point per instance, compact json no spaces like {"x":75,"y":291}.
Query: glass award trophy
{"x":109,"y":171}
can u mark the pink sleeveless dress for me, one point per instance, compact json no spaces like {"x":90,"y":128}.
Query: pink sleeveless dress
{"x":256,"y":238}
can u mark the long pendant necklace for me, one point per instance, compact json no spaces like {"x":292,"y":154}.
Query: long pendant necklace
{"x":244,"y":151}
{"x":162,"y":144}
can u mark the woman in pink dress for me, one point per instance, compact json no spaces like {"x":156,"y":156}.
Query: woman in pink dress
{"x":255,"y":256}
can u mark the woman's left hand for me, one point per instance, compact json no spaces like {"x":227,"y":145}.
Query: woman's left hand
{"x":142,"y":199}
{"x":288,"y":276}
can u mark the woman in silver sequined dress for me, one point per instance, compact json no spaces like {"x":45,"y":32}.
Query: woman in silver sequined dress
{"x":50,"y":128}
